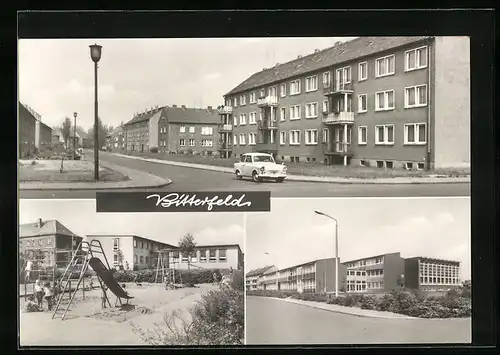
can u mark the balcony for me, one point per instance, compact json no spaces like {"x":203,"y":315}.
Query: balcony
{"x":342,"y":117}
{"x":225,"y":110}
{"x":267,"y":124}
{"x":265,"y":147}
{"x":225,"y":145}
{"x":267,"y":101}
{"x":338,"y":148}
{"x":226,"y":128}
{"x":338,"y":89}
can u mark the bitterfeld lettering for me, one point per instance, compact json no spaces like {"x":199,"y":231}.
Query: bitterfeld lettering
{"x":175,"y":199}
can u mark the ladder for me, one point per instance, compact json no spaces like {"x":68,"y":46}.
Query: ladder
{"x":81,"y":257}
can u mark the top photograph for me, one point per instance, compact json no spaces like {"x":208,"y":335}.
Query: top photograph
{"x":296,"y":116}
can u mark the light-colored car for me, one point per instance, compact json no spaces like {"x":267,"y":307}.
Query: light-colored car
{"x":259,"y":166}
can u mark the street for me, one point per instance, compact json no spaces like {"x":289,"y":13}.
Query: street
{"x":189,"y":179}
{"x":273,"y":321}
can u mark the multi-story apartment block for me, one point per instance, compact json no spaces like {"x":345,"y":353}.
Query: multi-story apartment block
{"x":172,"y":129}
{"x":374,"y":101}
{"x":428,"y":274}
{"x":52,"y":238}
{"x":379,"y":273}
{"x":34,"y":135}
{"x":116,"y":139}
{"x":252,"y":277}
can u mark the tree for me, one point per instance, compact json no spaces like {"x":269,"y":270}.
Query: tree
{"x":66,"y":130}
{"x":102,"y":133}
{"x":119,"y":255}
{"x":187,"y":246}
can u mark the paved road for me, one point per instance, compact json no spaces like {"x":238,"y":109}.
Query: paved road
{"x":271,"y":321}
{"x":189,"y":179}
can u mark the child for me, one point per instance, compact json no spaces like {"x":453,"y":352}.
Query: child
{"x":38,"y":293}
{"x":103,"y":296}
{"x":48,"y":295}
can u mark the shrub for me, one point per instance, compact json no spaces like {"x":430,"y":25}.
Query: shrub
{"x":386,"y":302}
{"x":154,"y":150}
{"x":403,"y":301}
{"x":238,"y":281}
{"x":369,"y":302}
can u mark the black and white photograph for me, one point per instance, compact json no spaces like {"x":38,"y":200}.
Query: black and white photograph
{"x":297,"y":116}
{"x":359,"y":271}
{"x":94,"y":279}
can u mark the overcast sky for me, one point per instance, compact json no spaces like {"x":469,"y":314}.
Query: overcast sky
{"x":80,"y":217}
{"x":56,"y":76}
{"x":292,"y":233}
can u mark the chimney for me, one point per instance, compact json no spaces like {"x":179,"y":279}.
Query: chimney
{"x":316,"y":50}
{"x":299,"y":56}
{"x":183,"y":107}
{"x":39,"y":223}
{"x":174,"y":106}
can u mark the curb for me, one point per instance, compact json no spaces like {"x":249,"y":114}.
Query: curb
{"x":347,"y":181}
{"x":342,"y":312}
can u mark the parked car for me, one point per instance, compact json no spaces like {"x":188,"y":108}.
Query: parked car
{"x":259,"y":166}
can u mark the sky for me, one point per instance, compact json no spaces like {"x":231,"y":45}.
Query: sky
{"x":81,"y":218}
{"x":292,"y":233}
{"x":56,"y":76}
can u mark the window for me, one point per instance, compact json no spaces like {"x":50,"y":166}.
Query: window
{"x":182,"y":142}
{"x":213,"y":257}
{"x":184,"y":257}
{"x":416,"y":59}
{"x":235,"y":140}
{"x":362,"y":134}
{"x":343,"y":75}
{"x":384,"y":134}
{"x":182,"y":129}
{"x":384,"y":100}
{"x":135,"y":259}
{"x":207,"y":131}
{"x":253,"y":98}
{"x":251,"y":138}
{"x":415,"y":133}
{"x":141,"y":259}
{"x":116,"y":244}
{"x":312,"y":83}
{"x":191,"y":129}
{"x":294,"y":137}
{"x":362,"y":71}
{"x":295,"y":112}
{"x":325,"y":135}
{"x":416,"y":96}
{"x":325,"y":106}
{"x":243,"y":100}
{"x":295,"y":87}
{"x":282,"y":137}
{"x":49,"y":241}
{"x":235,"y":102}
{"x":142,"y":245}
{"x":135,"y":243}
{"x":243,"y":119}
{"x":312,"y":110}
{"x":235,"y":121}
{"x":242,"y":139}
{"x":272,"y":91}
{"x":252,"y":118}
{"x":207,"y":143}
{"x":385,"y":66}
{"x":362,"y":104}
{"x":203,"y":256}
{"x":283,"y":90}
{"x":327,"y":79}
{"x":262,"y":92}
{"x":192,"y":142}
{"x":311,"y":136}
{"x":282,"y":113}
{"x":222,"y":255}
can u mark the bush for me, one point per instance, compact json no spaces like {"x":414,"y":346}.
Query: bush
{"x":238,"y":281}
{"x":272,"y":293}
{"x":369,"y":302}
{"x":385,"y":303}
{"x":154,"y":150}
{"x":403,"y":301}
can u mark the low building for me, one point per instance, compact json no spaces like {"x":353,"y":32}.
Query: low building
{"x":52,"y":238}
{"x":252,"y":277}
{"x":429,"y":274}
{"x":224,"y":256}
{"x":43,"y":136}
{"x":26,"y":130}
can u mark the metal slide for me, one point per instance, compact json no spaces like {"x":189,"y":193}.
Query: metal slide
{"x":107,"y":277}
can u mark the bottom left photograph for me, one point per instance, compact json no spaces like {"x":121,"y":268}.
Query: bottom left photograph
{"x":101,"y":279}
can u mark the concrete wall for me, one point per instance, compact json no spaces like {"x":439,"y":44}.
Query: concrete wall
{"x":412,"y":279}
{"x":325,"y":272}
{"x":452,"y":102}
{"x":394,"y":266}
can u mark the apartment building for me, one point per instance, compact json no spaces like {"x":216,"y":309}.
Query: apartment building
{"x":173,"y":129}
{"x":387,"y":102}
{"x":51,"y":237}
{"x":268,"y":280}
{"x":428,"y":274}
{"x":252,"y":277}
{"x":374,"y":274}
{"x":116,"y":139}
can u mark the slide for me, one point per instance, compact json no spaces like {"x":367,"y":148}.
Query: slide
{"x":107,"y":277}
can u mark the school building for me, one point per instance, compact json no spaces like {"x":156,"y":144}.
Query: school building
{"x":387,"y":102}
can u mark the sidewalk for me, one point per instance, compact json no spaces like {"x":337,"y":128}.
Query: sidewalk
{"x":337,"y":180}
{"x":354,"y":311}
{"x":137,"y":179}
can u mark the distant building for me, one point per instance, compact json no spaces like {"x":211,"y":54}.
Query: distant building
{"x":116,"y":139}
{"x":252,"y":277}
{"x":57,"y":137}
{"x":27,"y":132}
{"x":429,"y":274}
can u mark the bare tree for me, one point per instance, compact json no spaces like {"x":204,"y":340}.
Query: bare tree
{"x":66,"y":130}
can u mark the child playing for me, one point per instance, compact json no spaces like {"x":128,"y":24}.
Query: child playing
{"x":38,"y":293}
{"x":48,"y":295}
{"x":103,"y":296}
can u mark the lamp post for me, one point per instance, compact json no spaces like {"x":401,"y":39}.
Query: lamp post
{"x":95,"y":54}
{"x":336,"y":249}
{"x":74,"y":135}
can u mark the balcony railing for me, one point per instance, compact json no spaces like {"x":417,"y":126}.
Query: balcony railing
{"x":337,"y":88}
{"x":267,"y":124}
{"x":226,"y":128}
{"x":339,"y":117}
{"x":267,"y":101}
{"x":225,"y":110}
{"x":339,"y":148}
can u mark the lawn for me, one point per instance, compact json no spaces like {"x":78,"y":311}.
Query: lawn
{"x":45,"y":171}
{"x":313,"y":169}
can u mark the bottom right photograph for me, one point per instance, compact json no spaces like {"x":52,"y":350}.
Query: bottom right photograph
{"x":359,"y":271}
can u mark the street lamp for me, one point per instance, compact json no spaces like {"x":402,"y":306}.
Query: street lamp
{"x":336,"y":249}
{"x":74,"y":135}
{"x":95,"y":54}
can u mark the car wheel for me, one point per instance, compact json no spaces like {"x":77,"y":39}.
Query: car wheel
{"x":255,"y":177}
{"x":238,"y":175}
{"x":280,"y":179}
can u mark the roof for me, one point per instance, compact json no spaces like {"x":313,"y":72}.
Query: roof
{"x":259,"y":271}
{"x":425,"y":258}
{"x":343,"y":52}
{"x":181,"y":115}
{"x":49,"y":227}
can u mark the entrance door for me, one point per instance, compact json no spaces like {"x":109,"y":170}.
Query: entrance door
{"x":339,"y":137}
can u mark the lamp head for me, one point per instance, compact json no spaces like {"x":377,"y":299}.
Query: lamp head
{"x":95,"y":52}
{"x":319,"y":212}
{"x":75,"y":114}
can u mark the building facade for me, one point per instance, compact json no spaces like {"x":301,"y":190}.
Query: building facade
{"x":252,"y":277}
{"x":27,"y":129}
{"x":54,"y":240}
{"x":387,"y":102}
{"x":174,"y":130}
{"x":428,"y":274}
{"x":223,"y":256}
{"x":116,"y":139}
{"x":43,"y":136}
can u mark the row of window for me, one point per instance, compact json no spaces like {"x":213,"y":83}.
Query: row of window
{"x":375,"y":261}
{"x":207,"y":143}
{"x":205,"y":131}
{"x":439,"y":280}
{"x":414,"y":59}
